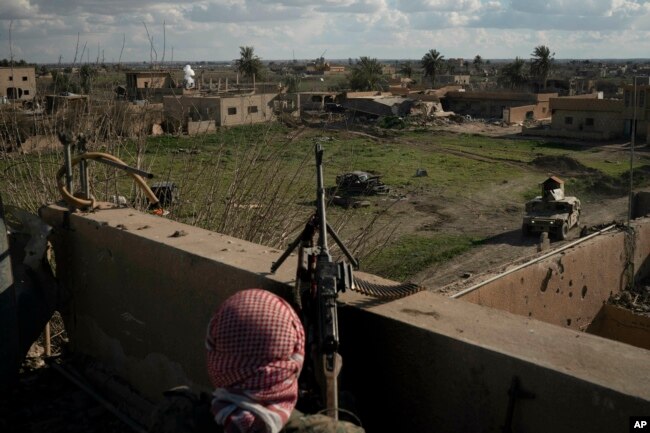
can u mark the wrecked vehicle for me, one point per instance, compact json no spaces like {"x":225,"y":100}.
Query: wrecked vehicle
{"x":552,"y":212}
{"x":360,"y":183}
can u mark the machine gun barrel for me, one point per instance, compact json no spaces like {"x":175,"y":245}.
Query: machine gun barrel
{"x":320,"y":204}
{"x":329,"y":279}
{"x":317,"y":287}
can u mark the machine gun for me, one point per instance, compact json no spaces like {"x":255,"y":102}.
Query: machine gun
{"x":319,"y":279}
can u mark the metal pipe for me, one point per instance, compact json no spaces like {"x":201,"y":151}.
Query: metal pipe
{"x":535,"y":260}
{"x":48,"y":340}
{"x":126,"y":420}
{"x":83,"y":178}
{"x":67,"y":160}
{"x":126,"y":168}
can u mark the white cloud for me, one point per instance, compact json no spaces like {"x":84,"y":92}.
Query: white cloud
{"x":214,"y":29}
{"x":17,"y":9}
{"x":439,"y":5}
{"x":226,"y":11}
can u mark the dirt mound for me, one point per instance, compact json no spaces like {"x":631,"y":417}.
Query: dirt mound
{"x":561,"y":165}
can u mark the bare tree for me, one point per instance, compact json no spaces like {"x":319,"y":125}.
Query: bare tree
{"x":119,"y":61}
{"x":164,"y":43}
{"x":76,"y":51}
{"x":152,"y":49}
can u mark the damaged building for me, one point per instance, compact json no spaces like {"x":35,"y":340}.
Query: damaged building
{"x":195,"y":113}
{"x":150,"y":85}
{"x":378,"y":104}
{"x":511,"y":107}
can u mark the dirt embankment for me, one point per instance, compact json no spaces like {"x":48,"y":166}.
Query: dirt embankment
{"x":562,"y":165}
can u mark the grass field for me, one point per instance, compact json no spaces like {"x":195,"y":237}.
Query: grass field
{"x":258,"y":183}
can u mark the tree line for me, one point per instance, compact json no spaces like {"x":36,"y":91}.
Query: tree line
{"x":366,"y":73}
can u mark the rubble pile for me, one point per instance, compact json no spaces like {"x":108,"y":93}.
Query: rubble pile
{"x":636,"y":301}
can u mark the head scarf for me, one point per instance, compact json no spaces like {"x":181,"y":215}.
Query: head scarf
{"x":255,"y":344}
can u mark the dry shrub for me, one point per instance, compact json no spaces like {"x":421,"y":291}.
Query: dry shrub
{"x":248,"y":186}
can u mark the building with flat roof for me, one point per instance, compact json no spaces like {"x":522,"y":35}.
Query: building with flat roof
{"x":150,"y":85}
{"x":18,"y":83}
{"x":510,"y":106}
{"x":189,"y":112}
{"x":584,"y":118}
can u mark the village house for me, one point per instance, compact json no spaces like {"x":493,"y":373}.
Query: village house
{"x":334,"y":69}
{"x":194,"y":113}
{"x":444,"y":80}
{"x":586,"y":118}
{"x":317,"y":101}
{"x":388,"y":70}
{"x":150,"y":85}
{"x":17,"y":83}
{"x":512,"y":107}
{"x":378,"y":104}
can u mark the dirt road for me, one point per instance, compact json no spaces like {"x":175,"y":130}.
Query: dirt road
{"x":496,"y":216}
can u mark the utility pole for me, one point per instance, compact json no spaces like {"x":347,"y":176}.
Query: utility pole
{"x":632,"y":143}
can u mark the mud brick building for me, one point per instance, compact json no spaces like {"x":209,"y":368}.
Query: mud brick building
{"x":18,"y":83}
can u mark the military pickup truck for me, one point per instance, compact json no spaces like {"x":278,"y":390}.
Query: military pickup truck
{"x":552,"y":212}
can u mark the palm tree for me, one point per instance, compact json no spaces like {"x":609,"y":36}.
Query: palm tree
{"x":248,"y":63}
{"x":513,"y":75}
{"x":406,"y":68}
{"x":541,"y":63}
{"x":432,"y":63}
{"x":451,"y":67}
{"x":478,"y":63}
{"x":366,"y":74}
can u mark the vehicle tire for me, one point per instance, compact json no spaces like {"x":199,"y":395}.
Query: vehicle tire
{"x":525,"y":230}
{"x":564,"y":231}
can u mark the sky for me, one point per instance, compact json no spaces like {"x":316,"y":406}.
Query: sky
{"x":46,"y":30}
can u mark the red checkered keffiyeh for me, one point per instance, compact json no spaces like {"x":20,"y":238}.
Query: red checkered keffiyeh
{"x":255,"y":348}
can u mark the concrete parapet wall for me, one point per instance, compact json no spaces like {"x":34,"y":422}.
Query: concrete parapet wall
{"x":141,"y":298}
{"x":142,"y":290}
{"x":567,"y":289}
{"x":622,"y":325}
{"x":428,"y":363}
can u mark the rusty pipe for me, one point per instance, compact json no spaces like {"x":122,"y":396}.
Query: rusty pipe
{"x":535,"y":260}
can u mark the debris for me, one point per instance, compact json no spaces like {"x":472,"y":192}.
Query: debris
{"x":361,"y":183}
{"x":119,"y":200}
{"x":178,"y":234}
{"x":164,"y":192}
{"x":420,"y":172}
{"x":544,"y":242}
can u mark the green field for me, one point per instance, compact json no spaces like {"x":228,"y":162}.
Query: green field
{"x":258,"y":183}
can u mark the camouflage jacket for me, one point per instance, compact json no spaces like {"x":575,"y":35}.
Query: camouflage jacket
{"x":182,"y":411}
